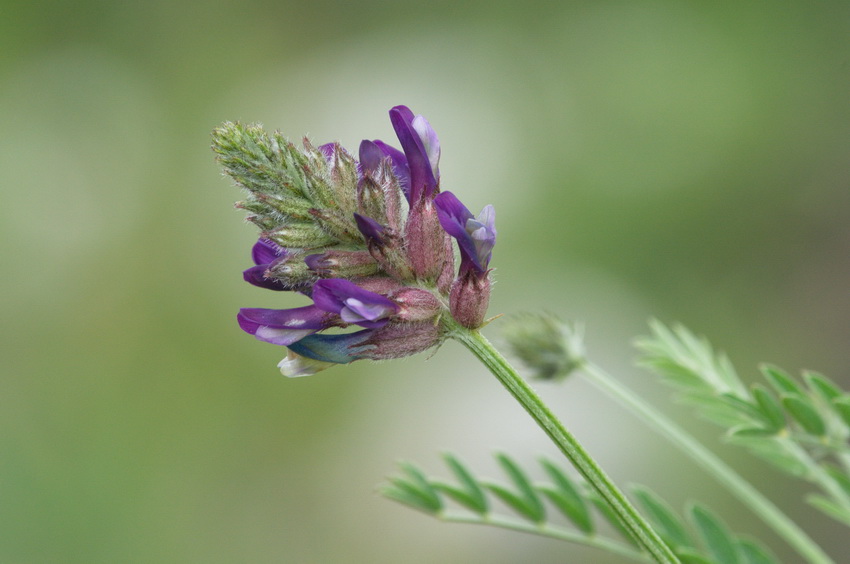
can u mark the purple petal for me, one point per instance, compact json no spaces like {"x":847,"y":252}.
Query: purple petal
{"x":338,"y":349}
{"x":366,"y":315}
{"x":282,"y":326}
{"x":327,"y":149}
{"x":314,"y":261}
{"x":370,"y":156}
{"x":423,"y":183}
{"x":256,"y":275}
{"x":453,"y":216}
{"x":369,"y":228}
{"x":266,"y":251}
{"x":475,"y":236}
{"x":353,"y":303}
{"x":482,"y":230}
{"x":400,"y":168}
{"x":430,"y":142}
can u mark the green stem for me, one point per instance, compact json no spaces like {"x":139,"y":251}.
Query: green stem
{"x":743,"y":490}
{"x":572,"y":449}
{"x":607,"y":545}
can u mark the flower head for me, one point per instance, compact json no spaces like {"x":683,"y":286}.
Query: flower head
{"x":334,"y":228}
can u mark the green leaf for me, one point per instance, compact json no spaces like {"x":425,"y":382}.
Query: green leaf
{"x":609,"y":515}
{"x":754,"y":553}
{"x":477,"y":501}
{"x":534,"y":509}
{"x":839,"y":475}
{"x":780,"y":380}
{"x":668,"y":525}
{"x":412,"y":498}
{"x":823,"y":386}
{"x":686,"y":359}
{"x":829,"y":507}
{"x":459,"y":495}
{"x":769,"y":406}
{"x":719,"y":542}
{"x":745,"y":408}
{"x":746,"y":432}
{"x":675,"y":374}
{"x":566,"y":498}
{"x":802,"y":410}
{"x":413,"y":490}
{"x":713,"y":409}
{"x":516,"y":502}
{"x":772,"y":451}
{"x":416,"y":484}
{"x":841,"y":405}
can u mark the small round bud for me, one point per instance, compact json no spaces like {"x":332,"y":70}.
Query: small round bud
{"x":545,"y":344}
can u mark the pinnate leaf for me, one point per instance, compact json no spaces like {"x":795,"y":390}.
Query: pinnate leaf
{"x":780,"y":380}
{"x":804,"y":413}
{"x":474,"y":494}
{"x":526,"y":500}
{"x":668,"y":525}
{"x":414,"y":490}
{"x":769,"y":406}
{"x":823,"y":386}
{"x":719,"y":542}
{"x":753,"y":553}
{"x":829,"y":507}
{"x":841,"y":405}
{"x":565,"y":496}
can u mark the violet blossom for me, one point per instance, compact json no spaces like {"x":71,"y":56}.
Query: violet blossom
{"x":333,"y":229}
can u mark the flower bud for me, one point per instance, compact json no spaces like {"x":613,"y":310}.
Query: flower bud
{"x":545,"y":344}
{"x":416,"y":304}
{"x":397,"y":340}
{"x":469,"y":298}
{"x":292,"y":272}
{"x":342,"y":264}
{"x":426,"y":242}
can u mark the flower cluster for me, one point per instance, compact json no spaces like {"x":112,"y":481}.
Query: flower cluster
{"x":369,"y":240}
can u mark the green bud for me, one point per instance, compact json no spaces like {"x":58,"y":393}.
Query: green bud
{"x":545,"y":344}
{"x":338,"y":224}
{"x":343,"y":264}
{"x":342,"y":179}
{"x":370,"y":200}
{"x":299,"y":235}
{"x":293,"y":271}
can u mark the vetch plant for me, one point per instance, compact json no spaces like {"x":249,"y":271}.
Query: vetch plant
{"x":369,"y":242}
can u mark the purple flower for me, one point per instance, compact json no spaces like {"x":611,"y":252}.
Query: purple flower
{"x":475,"y":236}
{"x":265,"y":253}
{"x":343,"y":237}
{"x":283,"y":326}
{"x":417,"y":168}
{"x":352,"y":303}
{"x":422,"y":149}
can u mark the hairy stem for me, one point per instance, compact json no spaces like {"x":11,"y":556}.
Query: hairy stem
{"x":637,"y":526}
{"x":743,"y":490}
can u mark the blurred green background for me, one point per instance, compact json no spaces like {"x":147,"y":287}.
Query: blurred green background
{"x":686,"y":160}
